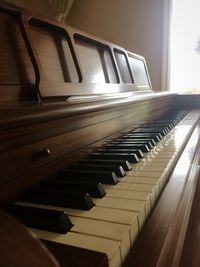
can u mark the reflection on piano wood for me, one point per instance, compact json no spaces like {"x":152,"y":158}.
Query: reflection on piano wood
{"x":86,"y":141}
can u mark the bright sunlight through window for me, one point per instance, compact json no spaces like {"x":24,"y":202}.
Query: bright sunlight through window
{"x":185,"y":46}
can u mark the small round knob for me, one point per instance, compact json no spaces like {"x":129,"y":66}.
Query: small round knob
{"x":45,"y":153}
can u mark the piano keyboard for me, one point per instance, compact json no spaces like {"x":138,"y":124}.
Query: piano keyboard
{"x":112,"y":225}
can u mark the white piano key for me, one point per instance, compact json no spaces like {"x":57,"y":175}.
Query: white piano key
{"x":157,"y":182}
{"x":137,"y":187}
{"x":113,"y":192}
{"x":144,"y":196}
{"x":107,"y":230}
{"x":118,"y":217}
{"x":141,"y":180}
{"x":125,"y":204}
{"x":145,"y":173}
{"x":161,"y":155}
{"x":148,"y":167}
{"x":154,"y":159}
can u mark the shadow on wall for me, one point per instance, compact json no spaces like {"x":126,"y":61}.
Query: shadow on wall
{"x":56,"y":9}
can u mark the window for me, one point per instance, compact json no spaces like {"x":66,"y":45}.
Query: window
{"x":185,"y":46}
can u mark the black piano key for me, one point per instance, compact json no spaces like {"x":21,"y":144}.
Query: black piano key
{"x":162,"y":131}
{"x":173,"y":121}
{"x":148,"y":130}
{"x":142,"y":147}
{"x":94,"y":189}
{"x":45,"y":219}
{"x":55,"y":197}
{"x":159,"y":124}
{"x":118,"y":170}
{"x":153,"y":127}
{"x":156,"y":124}
{"x":140,"y":141}
{"x":155,"y":137}
{"x":103,"y":177}
{"x":170,"y":126}
{"x":136,"y":141}
{"x":143,"y":131}
{"x":132,"y":158}
{"x":165,"y":128}
{"x":133,"y":143}
{"x":117,"y":163}
{"x":165,"y":121}
{"x":169,"y":123}
{"x":137,"y":152}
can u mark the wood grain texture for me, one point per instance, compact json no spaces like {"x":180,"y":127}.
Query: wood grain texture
{"x":17,"y":75}
{"x":66,"y":137}
{"x":32,"y":112}
{"x":43,"y":58}
{"x":73,"y":256}
{"x":190,"y":255}
{"x":19,"y":248}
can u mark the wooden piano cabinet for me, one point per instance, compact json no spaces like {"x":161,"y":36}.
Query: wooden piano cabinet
{"x":66,"y":132}
{"x":190,"y":254}
{"x":18,"y":248}
{"x":69,"y":256}
{"x":55,"y":109}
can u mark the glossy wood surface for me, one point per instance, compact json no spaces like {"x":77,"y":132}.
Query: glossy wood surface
{"x":19,"y":248}
{"x":22,"y":148}
{"x":55,"y":60}
{"x":76,"y":257}
{"x":190,"y":255}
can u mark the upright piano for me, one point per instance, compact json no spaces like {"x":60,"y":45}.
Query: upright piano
{"x":97,"y":169}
